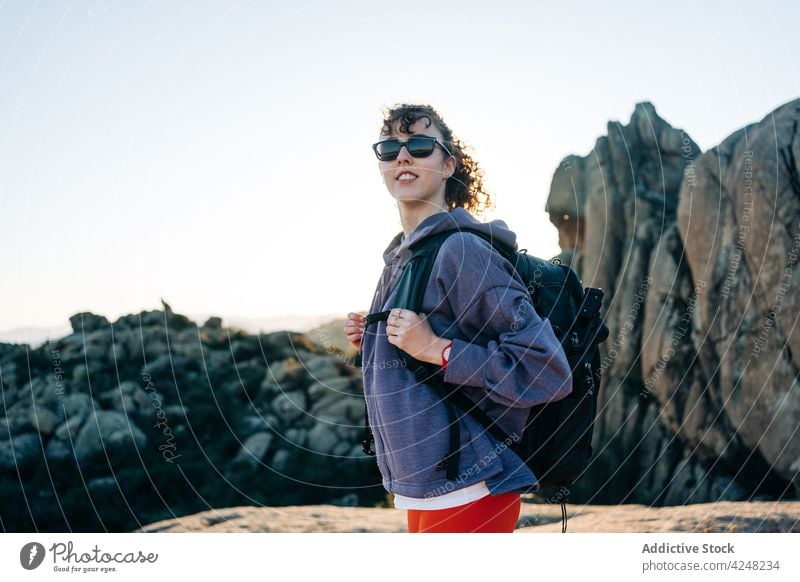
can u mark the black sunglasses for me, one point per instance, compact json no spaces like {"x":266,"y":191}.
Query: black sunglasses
{"x":418,"y":146}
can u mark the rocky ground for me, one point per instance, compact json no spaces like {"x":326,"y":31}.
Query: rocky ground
{"x":719,"y":517}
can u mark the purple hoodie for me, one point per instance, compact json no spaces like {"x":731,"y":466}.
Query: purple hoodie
{"x":505,"y":357}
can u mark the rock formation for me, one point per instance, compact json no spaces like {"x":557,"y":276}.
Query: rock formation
{"x":116,"y":425}
{"x":696,"y":254}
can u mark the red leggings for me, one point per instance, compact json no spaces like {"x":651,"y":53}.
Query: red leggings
{"x":489,"y":514}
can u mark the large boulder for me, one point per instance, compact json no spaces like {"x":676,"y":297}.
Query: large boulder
{"x":108,"y":431}
{"x":691,"y":407}
{"x":611,"y":208}
{"x":739,"y":219}
{"x":86,"y":321}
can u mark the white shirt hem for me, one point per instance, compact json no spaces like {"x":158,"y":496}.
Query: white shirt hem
{"x":453,"y":499}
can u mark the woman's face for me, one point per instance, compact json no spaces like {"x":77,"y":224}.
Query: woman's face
{"x":423,"y":179}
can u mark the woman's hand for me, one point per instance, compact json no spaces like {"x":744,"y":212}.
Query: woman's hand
{"x":413,"y":334}
{"x":354,"y":329}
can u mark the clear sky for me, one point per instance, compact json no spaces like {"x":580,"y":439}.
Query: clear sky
{"x":218,"y":153}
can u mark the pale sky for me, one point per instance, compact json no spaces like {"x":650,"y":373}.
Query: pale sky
{"x":217,"y":154}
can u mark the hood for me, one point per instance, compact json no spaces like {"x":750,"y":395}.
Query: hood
{"x":440,"y":221}
{"x":398,"y":252}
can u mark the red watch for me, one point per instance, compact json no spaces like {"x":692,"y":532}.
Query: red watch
{"x":444,"y":359}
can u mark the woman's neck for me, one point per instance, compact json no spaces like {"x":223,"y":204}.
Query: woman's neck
{"x":412,"y":216}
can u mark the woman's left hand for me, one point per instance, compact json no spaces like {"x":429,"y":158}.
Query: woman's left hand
{"x":413,"y":334}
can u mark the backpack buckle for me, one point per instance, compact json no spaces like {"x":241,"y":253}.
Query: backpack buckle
{"x":588,"y":378}
{"x":366,"y":444}
{"x":591,"y":304}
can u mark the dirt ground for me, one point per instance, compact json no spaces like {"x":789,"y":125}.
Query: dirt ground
{"x":723,"y":516}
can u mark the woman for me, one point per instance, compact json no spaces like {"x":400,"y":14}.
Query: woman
{"x":476,"y":322}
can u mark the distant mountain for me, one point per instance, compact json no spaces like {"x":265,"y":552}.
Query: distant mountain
{"x":36,"y":336}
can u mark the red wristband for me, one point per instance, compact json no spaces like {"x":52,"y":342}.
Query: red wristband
{"x":444,"y":362}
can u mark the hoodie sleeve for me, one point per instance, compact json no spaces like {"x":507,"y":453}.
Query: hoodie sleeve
{"x":523,"y":363}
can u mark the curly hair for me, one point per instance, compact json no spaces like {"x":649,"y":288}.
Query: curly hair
{"x":465,"y":187}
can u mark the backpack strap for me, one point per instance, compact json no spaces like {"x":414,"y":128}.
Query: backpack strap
{"x":410,"y":290}
{"x":369,"y":438}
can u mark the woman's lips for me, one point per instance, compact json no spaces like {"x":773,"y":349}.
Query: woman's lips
{"x":411,"y":181}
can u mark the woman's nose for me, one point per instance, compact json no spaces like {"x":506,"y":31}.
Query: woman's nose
{"x":403,"y":154}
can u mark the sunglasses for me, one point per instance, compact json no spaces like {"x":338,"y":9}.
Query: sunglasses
{"x":419,"y":146}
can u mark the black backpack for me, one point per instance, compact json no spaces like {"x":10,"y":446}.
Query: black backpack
{"x":556,"y":441}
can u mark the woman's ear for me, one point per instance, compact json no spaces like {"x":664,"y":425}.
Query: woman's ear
{"x":450,"y":168}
